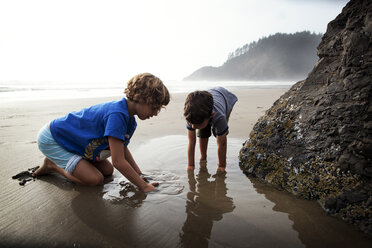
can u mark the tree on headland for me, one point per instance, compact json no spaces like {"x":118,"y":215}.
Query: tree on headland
{"x":276,"y":57}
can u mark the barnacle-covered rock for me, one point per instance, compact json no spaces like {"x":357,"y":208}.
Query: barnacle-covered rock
{"x":316,"y":140}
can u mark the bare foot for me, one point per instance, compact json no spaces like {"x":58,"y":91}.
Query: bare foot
{"x":221,"y":170}
{"x":47,"y":167}
{"x":190,"y":168}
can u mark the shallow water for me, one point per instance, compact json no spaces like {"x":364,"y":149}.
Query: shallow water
{"x":195,"y":209}
{"x":51,"y":90}
{"x":208,"y":209}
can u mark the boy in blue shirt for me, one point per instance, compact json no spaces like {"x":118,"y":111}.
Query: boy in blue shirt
{"x":74,"y":145}
{"x":208,"y":112}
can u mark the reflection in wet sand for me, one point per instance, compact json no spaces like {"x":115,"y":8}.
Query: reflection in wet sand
{"x":121,"y":191}
{"x":232,"y":210}
{"x":204,"y":209}
{"x":315,"y":228}
{"x":114,"y":222}
{"x":207,"y":201}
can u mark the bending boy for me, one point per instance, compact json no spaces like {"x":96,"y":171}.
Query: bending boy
{"x":74,"y":144}
{"x":208,"y":112}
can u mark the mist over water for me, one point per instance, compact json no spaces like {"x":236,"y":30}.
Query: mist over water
{"x":187,"y":86}
{"x":29,"y":91}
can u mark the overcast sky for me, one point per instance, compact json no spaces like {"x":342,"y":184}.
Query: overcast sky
{"x":95,"y":40}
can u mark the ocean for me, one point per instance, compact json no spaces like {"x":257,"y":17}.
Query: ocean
{"x":13,"y":91}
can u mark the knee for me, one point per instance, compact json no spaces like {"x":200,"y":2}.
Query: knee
{"x":94,"y":180}
{"x":98,"y":180}
{"x":108,"y":170}
{"x":105,"y":167}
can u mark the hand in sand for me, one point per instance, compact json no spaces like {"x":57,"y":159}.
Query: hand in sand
{"x":150,"y":187}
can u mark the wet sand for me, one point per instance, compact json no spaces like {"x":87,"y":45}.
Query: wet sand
{"x":199,"y":209}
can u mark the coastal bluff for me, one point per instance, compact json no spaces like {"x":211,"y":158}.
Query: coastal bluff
{"x":278,"y":57}
{"x":316,"y":139}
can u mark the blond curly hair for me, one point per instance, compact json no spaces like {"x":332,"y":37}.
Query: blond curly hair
{"x":149,"y":89}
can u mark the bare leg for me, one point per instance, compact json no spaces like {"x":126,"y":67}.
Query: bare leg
{"x":105,"y":167}
{"x":49,"y":167}
{"x":88,"y":174}
{"x":203,"y":145}
{"x":85,"y":173}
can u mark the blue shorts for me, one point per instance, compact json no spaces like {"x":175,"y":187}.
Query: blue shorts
{"x":52,"y":150}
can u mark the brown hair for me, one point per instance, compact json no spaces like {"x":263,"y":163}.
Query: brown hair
{"x":198,"y":106}
{"x":148,"y":89}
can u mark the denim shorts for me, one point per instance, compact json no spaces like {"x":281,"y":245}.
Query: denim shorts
{"x":52,"y":150}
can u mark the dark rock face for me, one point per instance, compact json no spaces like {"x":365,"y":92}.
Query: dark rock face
{"x":316,"y":140}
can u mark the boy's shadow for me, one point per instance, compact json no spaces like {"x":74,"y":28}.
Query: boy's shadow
{"x":207,"y":201}
{"x":112,"y":219}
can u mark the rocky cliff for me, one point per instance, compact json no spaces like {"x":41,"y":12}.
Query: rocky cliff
{"x":316,"y":140}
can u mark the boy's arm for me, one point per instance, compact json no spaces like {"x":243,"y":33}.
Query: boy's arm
{"x":122,"y":165}
{"x":128,"y":156}
{"x":221,"y":150}
{"x":191,"y":149}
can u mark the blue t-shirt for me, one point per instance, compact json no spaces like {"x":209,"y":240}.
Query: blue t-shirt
{"x":86,"y":132}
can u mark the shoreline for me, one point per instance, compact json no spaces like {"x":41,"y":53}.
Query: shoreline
{"x":250,"y":106}
{"x":116,"y":214}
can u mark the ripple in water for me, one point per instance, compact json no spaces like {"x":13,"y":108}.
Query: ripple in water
{"x":120,"y":190}
{"x":164,"y":159}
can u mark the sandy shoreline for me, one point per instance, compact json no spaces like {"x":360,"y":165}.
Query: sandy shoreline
{"x":250,"y":106}
{"x":54,"y":212}
{"x":32,"y":115}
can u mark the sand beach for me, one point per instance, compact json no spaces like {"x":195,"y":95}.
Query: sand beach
{"x":189,"y":209}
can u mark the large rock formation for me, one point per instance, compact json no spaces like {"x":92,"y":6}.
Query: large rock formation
{"x":316,"y":140}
